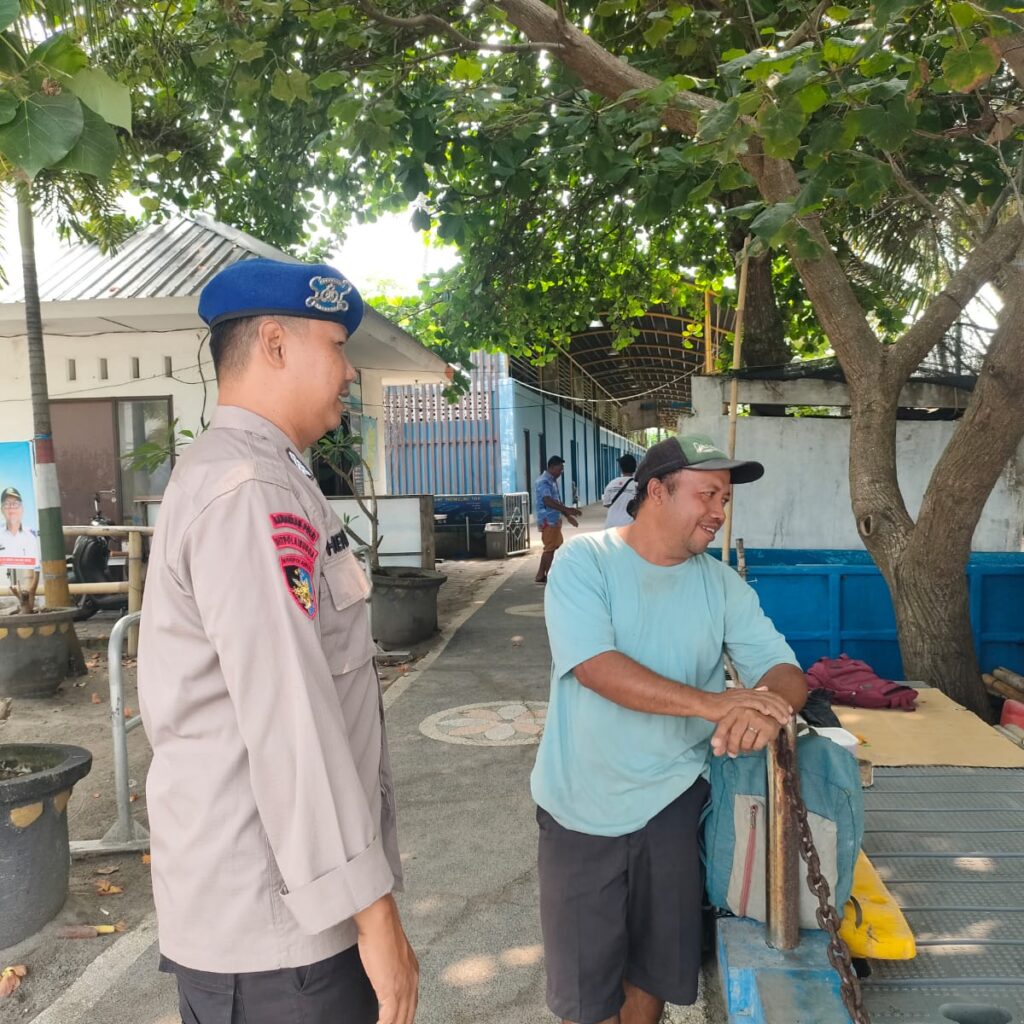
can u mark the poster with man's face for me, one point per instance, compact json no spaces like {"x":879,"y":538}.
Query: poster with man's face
{"x":19,"y":525}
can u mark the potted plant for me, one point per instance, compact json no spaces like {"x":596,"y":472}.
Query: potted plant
{"x":403,"y":607}
{"x":34,"y":643}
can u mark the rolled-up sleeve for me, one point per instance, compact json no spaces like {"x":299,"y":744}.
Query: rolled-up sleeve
{"x":258,"y":600}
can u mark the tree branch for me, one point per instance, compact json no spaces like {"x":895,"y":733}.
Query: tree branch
{"x":989,"y":257}
{"x":796,"y":37}
{"x":840,"y":313}
{"x":985,"y":439}
{"x":432,"y":23}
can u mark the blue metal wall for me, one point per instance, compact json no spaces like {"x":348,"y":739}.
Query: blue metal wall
{"x":495,"y":440}
{"x":831,"y":602}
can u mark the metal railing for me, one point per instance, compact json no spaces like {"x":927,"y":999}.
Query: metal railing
{"x":125,"y":834}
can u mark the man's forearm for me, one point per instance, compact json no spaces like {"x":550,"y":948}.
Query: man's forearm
{"x":620,"y":679}
{"x":787,"y":681}
{"x":558,"y":506}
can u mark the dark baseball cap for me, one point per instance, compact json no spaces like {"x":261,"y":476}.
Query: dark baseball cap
{"x":693,"y":451}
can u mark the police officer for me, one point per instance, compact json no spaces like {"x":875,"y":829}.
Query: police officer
{"x":270,"y":799}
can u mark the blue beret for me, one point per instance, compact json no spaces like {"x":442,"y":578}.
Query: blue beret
{"x":261,"y":287}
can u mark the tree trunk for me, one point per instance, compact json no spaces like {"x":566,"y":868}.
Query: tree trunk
{"x":764,"y":333}
{"x":51,"y":532}
{"x":933,"y":620}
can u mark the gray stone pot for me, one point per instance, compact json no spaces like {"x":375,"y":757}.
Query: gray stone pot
{"x":34,"y":652}
{"x":404,"y":604}
{"x":34,"y":855}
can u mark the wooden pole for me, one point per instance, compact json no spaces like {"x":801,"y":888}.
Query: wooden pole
{"x":709,"y":359}
{"x":134,"y":588}
{"x":734,"y":387}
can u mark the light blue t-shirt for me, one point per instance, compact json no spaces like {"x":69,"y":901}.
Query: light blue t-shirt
{"x":546,"y":486}
{"x":603,"y":769}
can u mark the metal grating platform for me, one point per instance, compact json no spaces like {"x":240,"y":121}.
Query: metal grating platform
{"x":949,"y":843}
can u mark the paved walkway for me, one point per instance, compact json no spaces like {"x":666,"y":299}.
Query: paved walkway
{"x":463,"y":729}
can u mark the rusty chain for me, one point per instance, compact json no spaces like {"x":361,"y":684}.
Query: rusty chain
{"x":828,"y":919}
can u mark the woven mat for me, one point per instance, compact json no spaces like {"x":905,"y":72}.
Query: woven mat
{"x":940,"y":731}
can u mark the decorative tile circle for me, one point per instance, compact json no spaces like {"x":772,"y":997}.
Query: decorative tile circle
{"x":494,"y":724}
{"x":534,"y":611}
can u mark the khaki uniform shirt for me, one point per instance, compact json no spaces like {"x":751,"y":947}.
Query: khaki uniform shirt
{"x":270,"y":798}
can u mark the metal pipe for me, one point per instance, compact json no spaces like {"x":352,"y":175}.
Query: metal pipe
{"x":114,"y":649}
{"x":782,"y":884}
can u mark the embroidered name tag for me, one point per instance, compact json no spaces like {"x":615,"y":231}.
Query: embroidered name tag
{"x":337,"y":542}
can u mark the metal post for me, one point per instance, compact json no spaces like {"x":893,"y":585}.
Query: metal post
{"x":783,"y":855}
{"x":134,"y":589}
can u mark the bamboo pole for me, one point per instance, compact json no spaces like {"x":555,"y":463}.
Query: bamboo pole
{"x":734,"y":386}
{"x":134,"y":587}
{"x":709,"y":359}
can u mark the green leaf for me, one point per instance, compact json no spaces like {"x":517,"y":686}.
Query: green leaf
{"x":812,"y":98}
{"x":657,"y":32}
{"x":8,"y":106}
{"x":837,"y":50}
{"x":42,"y":132}
{"x":838,"y":13}
{"x":207,"y":55}
{"x":962,"y":15}
{"x":719,"y":121}
{"x":781,"y":126}
{"x":887,"y":127}
{"x":289,"y":86}
{"x":886,"y":10}
{"x":101,"y":94}
{"x":329,"y":80}
{"x":965,"y":69}
{"x":702,"y":191}
{"x":150,"y":204}
{"x":10,"y":10}
{"x":59,"y":53}
{"x":770,"y":225}
{"x":732,"y":176}
{"x":467,"y":70}
{"x":871,"y":181}
{"x":96,"y":150}
{"x":247,"y":50}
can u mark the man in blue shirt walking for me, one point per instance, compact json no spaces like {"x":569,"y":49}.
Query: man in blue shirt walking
{"x":639,"y":618}
{"x":549,"y":509}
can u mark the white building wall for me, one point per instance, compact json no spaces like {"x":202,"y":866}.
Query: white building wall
{"x":803,"y":500}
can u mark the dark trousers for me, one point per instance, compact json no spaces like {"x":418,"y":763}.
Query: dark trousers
{"x":332,"y":991}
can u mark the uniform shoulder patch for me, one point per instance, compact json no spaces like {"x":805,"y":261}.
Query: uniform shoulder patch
{"x":337,"y":543}
{"x":289,"y":520}
{"x":298,"y":576}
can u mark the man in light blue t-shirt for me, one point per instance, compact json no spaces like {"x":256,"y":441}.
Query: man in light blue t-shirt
{"x":639,"y":619}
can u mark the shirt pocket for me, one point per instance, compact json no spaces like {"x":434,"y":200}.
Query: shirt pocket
{"x":344,"y":620}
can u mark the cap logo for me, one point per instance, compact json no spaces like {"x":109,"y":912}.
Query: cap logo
{"x":701,"y":447}
{"x":328,"y":294}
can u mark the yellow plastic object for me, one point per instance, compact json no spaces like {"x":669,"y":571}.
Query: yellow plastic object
{"x":883,"y":932}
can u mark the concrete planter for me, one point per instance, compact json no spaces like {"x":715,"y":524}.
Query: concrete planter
{"x":34,"y":854}
{"x":34,"y":652}
{"x":404,"y":604}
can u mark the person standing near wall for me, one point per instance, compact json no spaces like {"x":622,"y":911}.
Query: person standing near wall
{"x":549,"y":509}
{"x":619,"y":493}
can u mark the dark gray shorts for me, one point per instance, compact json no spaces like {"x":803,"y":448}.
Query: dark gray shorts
{"x":622,"y":908}
{"x":331,"y":991}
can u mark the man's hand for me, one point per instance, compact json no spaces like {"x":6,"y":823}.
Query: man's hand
{"x":389,"y":961}
{"x":571,"y":519}
{"x":762,"y":700}
{"x":742,"y":731}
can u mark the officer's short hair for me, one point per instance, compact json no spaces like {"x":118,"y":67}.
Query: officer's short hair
{"x":231,"y":340}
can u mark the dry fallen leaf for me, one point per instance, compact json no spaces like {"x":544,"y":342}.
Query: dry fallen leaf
{"x":106,"y":869}
{"x":147,"y":859}
{"x":517,"y":641}
{"x":95,"y":796}
{"x":105,"y":888}
{"x":128,"y":713}
{"x":79,"y":931}
{"x":133,"y":798}
{"x":10,"y":979}
{"x":95,"y":698}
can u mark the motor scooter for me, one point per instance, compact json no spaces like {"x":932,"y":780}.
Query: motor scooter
{"x":89,"y":562}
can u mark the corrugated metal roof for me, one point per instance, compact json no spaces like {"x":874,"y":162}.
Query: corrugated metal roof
{"x":167,"y":260}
